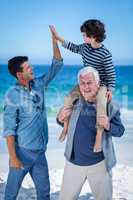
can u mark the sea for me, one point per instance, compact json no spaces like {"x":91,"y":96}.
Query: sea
{"x":61,"y":85}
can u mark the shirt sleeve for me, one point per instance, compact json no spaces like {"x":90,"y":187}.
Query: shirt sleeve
{"x":56,"y":66}
{"x":116,"y":127}
{"x":110,"y":72}
{"x":10,"y":120}
{"x":10,"y":114}
{"x":73,"y":47}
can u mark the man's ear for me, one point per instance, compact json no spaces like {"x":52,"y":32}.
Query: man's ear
{"x":19,"y":75}
{"x":98,"y":84}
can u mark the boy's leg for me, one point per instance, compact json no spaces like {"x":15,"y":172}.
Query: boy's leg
{"x":101,"y":110}
{"x":73,"y":179}
{"x":40,"y":176}
{"x":68,"y":104}
{"x":71,"y":97}
{"x":14,"y":181}
{"x":100,"y":181}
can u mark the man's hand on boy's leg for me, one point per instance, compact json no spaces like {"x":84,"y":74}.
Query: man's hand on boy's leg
{"x":64,"y":114}
{"x":103,"y":122}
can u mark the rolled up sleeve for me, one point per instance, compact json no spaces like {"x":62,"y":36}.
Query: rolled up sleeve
{"x":50,"y":75}
{"x":116,"y":127}
{"x":10,"y":120}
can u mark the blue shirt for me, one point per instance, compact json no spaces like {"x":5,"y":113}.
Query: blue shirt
{"x":25,"y":112}
{"x":116,"y":130}
{"x":84,"y":138}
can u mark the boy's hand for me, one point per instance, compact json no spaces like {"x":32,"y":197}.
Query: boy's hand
{"x":55,"y":34}
{"x":109,"y":95}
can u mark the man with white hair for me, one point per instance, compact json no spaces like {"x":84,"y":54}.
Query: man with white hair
{"x":82,"y":163}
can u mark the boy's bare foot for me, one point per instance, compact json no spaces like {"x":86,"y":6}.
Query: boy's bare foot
{"x":62,"y":136}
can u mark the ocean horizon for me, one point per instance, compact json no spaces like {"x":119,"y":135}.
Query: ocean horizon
{"x":66,"y":80}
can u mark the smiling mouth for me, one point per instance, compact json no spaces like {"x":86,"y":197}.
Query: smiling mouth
{"x":87,"y":91}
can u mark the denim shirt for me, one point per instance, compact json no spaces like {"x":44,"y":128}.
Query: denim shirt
{"x":116,"y":129}
{"x":25,"y":112}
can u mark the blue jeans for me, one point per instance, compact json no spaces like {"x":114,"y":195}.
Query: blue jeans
{"x":35,"y":163}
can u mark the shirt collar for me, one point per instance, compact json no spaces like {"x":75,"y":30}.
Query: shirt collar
{"x":18,"y":85}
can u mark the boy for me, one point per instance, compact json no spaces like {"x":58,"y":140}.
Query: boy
{"x":96,"y":55}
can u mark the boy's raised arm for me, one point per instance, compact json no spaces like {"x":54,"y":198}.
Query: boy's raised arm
{"x":68,"y":45}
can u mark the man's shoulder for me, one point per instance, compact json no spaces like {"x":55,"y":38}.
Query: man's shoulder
{"x":114,"y":104}
{"x":78,"y":102}
{"x":12,"y":94}
{"x":112,"y":108}
{"x":12,"y":90}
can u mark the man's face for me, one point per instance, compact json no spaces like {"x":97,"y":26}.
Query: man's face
{"x":27,"y":71}
{"x":88,"y":86}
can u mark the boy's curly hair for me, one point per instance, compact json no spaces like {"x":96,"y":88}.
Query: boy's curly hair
{"x":94,"y":28}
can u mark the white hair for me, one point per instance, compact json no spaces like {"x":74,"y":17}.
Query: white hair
{"x":87,"y":70}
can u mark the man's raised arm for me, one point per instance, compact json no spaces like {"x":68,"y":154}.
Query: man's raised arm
{"x":56,"y":51}
{"x":56,"y":65}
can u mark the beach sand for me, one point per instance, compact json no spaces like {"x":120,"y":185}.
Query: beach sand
{"x":122,"y":173}
{"x":122,"y":178}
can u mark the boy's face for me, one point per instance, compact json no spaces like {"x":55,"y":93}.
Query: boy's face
{"x":87,"y":39}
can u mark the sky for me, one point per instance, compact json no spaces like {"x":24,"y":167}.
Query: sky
{"x":24,"y":27}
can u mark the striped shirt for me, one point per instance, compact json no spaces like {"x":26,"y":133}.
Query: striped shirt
{"x":99,"y":58}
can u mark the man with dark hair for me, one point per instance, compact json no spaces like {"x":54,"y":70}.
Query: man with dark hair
{"x":14,"y":64}
{"x":96,"y":55}
{"x":25,"y":125}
